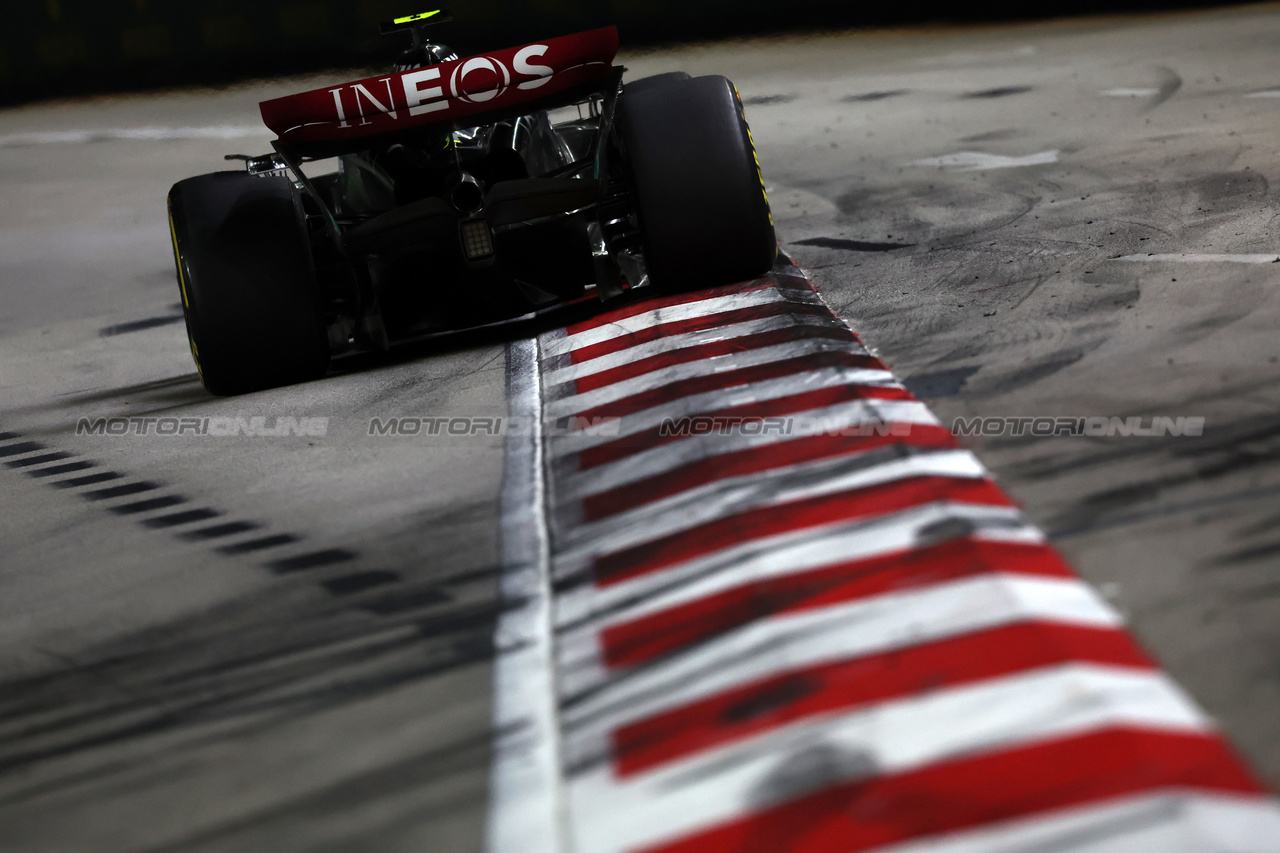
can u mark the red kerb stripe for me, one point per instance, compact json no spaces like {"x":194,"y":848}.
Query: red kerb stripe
{"x":767,"y":521}
{"x":915,"y":671}
{"x":976,"y":791}
{"x":712,"y":349}
{"x":729,"y":379}
{"x":642,"y":640}
{"x":696,"y":324}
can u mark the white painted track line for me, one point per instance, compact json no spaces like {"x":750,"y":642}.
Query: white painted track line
{"x":1204,"y":258}
{"x":1148,"y":92}
{"x":134,"y":134}
{"x":527,"y":810}
{"x":979,"y":161}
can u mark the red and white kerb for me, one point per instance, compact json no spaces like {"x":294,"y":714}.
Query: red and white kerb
{"x":845,"y":640}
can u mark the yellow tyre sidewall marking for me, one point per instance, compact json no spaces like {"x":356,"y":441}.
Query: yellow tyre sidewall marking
{"x":182,"y":285}
{"x":742,"y":112}
{"x":177,"y":259}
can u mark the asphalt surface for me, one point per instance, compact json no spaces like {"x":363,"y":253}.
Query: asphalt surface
{"x":959,"y":195}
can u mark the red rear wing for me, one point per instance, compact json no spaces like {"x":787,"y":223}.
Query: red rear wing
{"x":334,"y":118}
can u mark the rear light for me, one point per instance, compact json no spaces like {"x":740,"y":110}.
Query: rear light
{"x":477,"y":239}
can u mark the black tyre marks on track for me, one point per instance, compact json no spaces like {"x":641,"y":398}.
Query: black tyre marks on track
{"x":149,"y":505}
{"x":1170,"y":83}
{"x":852,"y":245}
{"x":768,"y":100}
{"x":21,"y":447}
{"x":870,"y":97}
{"x":998,"y":92}
{"x":139,"y":325}
{"x":273,"y":541}
{"x":312,"y":560}
{"x":189,"y":516}
{"x":16,"y":450}
{"x":58,"y":470}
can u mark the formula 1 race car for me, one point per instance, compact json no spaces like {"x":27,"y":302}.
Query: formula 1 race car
{"x":466,"y":191}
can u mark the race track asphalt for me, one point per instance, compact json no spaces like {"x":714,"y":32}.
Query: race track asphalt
{"x":293,"y":650}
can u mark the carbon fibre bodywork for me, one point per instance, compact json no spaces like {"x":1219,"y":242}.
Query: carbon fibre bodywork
{"x":465,"y":191}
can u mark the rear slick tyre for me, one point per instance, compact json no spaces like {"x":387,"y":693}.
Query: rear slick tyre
{"x":637,"y":86}
{"x":248,"y":286}
{"x":698,"y":189}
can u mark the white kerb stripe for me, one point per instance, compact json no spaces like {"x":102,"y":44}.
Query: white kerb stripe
{"x":825,"y":477}
{"x":792,"y":551}
{"x":564,"y":344}
{"x":1164,"y":822}
{"x":892,"y":534}
{"x":887,"y":739}
{"x":832,"y":420}
{"x":716,"y":498}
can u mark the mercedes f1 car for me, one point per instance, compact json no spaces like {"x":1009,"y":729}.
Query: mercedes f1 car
{"x":466,"y":191}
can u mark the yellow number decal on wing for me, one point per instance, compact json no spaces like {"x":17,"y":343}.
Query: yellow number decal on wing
{"x":410,"y":19}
